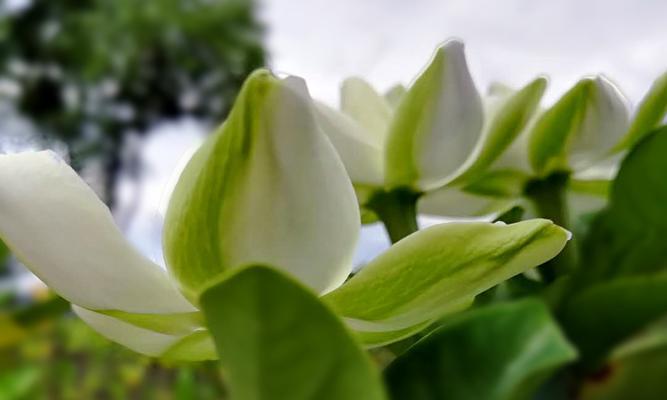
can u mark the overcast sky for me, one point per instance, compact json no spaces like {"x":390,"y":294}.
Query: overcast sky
{"x":388,"y":41}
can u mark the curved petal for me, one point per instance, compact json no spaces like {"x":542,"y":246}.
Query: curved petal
{"x":363,"y":159}
{"x":149,"y":342}
{"x":394,"y":95}
{"x":437,"y":124}
{"x":508,"y":114}
{"x":367,"y":107}
{"x":580,"y":129}
{"x":649,"y":115}
{"x":456,"y":202}
{"x":55,"y":224}
{"x":494,"y":193}
{"x":439,"y":270}
{"x":267,"y":188}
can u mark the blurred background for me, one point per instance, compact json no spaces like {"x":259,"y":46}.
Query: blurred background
{"x":125,"y":90}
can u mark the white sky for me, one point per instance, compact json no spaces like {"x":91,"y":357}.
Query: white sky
{"x":388,"y":41}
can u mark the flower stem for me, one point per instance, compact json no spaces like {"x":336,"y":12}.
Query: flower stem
{"x":397,"y":209}
{"x":548,"y":197}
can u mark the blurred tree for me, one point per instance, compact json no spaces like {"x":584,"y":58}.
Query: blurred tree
{"x":90,"y":72}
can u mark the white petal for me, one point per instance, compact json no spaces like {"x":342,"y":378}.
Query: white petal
{"x":454,"y":202}
{"x":141,"y":340}
{"x":367,"y":107}
{"x":605,"y":122}
{"x":580,"y":129}
{"x":363,"y":159}
{"x":507,"y":112}
{"x":269,"y":189}
{"x":394,"y":95}
{"x":65,"y":235}
{"x":437,"y":124}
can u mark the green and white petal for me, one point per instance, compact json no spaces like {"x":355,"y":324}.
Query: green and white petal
{"x":394,"y":95}
{"x":650,"y":114}
{"x":494,"y":193}
{"x":56,"y":225}
{"x":193,"y":346}
{"x":456,"y":202}
{"x":360,"y":101}
{"x":362,"y":157}
{"x":436,"y":126}
{"x":439,"y":270}
{"x":508,"y":113}
{"x":267,"y":188}
{"x":580,"y":129}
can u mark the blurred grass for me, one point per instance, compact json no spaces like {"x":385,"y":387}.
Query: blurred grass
{"x":62,"y":358}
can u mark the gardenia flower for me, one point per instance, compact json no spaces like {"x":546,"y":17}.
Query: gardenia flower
{"x":266,"y":189}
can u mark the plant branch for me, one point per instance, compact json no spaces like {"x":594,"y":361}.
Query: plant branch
{"x":548,"y":195}
{"x":397,"y":209}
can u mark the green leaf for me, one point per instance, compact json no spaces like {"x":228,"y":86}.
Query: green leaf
{"x":621,"y":284}
{"x":499,"y":352}
{"x":503,"y":126}
{"x":436,"y":126}
{"x":4,"y":253}
{"x":268,"y":187}
{"x":605,"y":314}
{"x":650,"y":114}
{"x":276,"y":340}
{"x":635,"y":370}
{"x":17,"y":384}
{"x":580,"y":129}
{"x":439,"y":270}
{"x":639,"y":192}
{"x":627,"y":238}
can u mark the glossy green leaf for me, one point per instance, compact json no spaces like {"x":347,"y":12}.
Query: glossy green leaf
{"x":505,"y":121}
{"x":650,"y":114}
{"x":439,"y":270}
{"x":436,"y":125}
{"x":603,"y":315}
{"x":276,"y":340}
{"x":499,"y":352}
{"x":639,"y":192}
{"x":621,"y":285}
{"x":268,"y":187}
{"x":636,"y":370}
{"x":580,"y":129}
{"x":627,"y":238}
